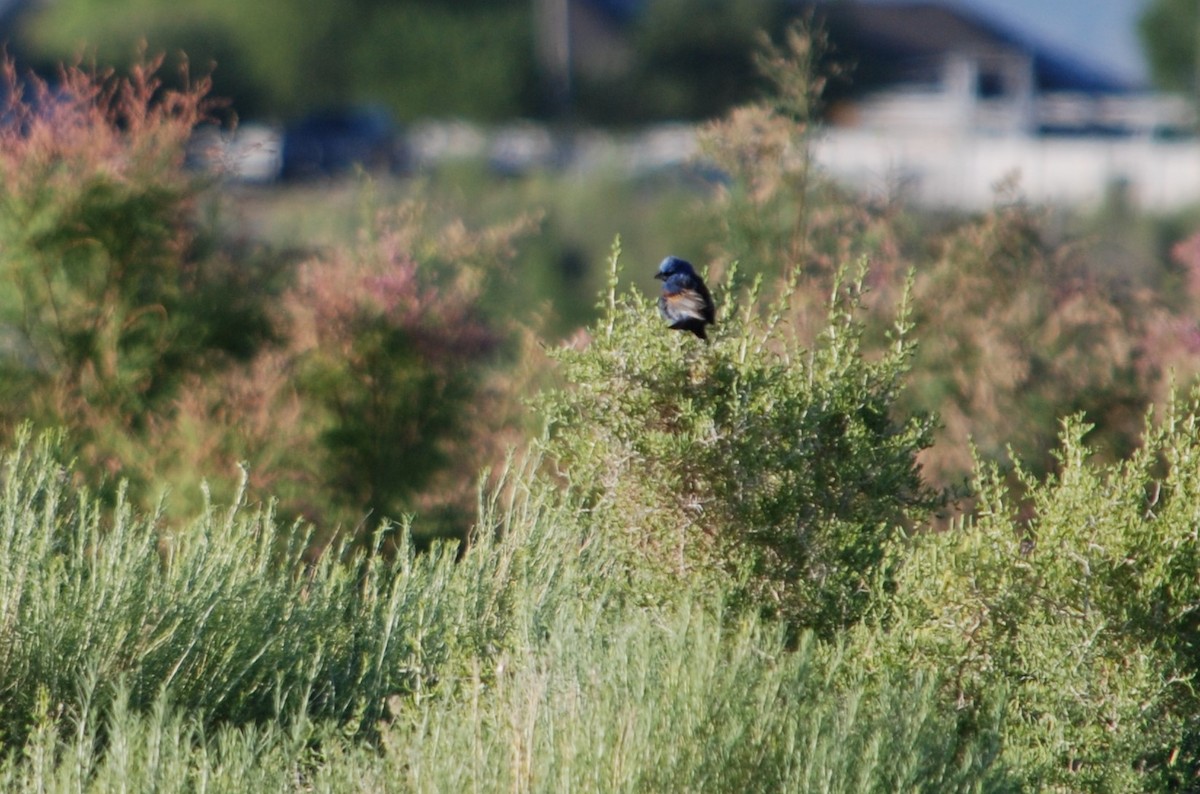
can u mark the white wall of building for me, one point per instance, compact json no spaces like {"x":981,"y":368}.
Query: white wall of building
{"x":964,"y":170}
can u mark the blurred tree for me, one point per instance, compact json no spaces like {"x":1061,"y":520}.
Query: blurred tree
{"x":694,"y":59}
{"x":471,"y":58}
{"x":277,"y":57}
{"x":698,"y":55}
{"x":1170,"y":33}
{"x":465,"y":58}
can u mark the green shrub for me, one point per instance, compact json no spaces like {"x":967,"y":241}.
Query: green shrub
{"x":352,"y":382}
{"x":383,"y":394}
{"x":749,"y":459}
{"x":115,"y":292}
{"x":95,"y":223}
{"x":1076,"y":610}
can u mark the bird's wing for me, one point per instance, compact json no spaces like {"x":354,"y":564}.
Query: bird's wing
{"x":686,"y":303}
{"x":710,"y":309}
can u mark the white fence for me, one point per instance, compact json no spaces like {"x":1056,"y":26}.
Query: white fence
{"x":963,"y":171}
{"x":930,"y":169}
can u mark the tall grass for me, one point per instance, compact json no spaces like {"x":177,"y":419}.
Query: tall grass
{"x":138,"y":657}
{"x":230,"y":616}
{"x":685,"y":701}
{"x":664,"y":706}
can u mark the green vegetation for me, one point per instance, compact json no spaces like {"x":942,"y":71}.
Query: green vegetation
{"x":784,"y":468}
{"x":170,"y":351}
{"x":1168,"y":29}
{"x":276,"y":59}
{"x":1075,"y":610}
{"x":421,"y":58}
{"x":339,"y":517}
{"x":133,"y":655}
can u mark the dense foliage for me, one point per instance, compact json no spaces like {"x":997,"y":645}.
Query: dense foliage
{"x":170,"y":660}
{"x":1167,"y":29}
{"x":102,"y":310}
{"x":279,"y":59}
{"x":1017,"y":314}
{"x":347,"y":381}
{"x":420,"y":58}
{"x":1076,"y":609}
{"x":750,"y":457}
{"x":713,"y":569}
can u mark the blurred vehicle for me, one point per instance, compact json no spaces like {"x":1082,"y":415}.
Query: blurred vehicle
{"x":250,"y":154}
{"x":336,"y":141}
{"x":520,"y":148}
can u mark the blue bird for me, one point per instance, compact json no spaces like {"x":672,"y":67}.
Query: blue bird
{"x":685,"y":302}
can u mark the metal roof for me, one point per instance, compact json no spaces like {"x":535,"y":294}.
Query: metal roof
{"x":888,"y":41}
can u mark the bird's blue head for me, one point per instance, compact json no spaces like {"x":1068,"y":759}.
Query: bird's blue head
{"x":672,"y":266}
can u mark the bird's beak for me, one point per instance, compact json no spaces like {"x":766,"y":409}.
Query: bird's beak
{"x":659,"y":277}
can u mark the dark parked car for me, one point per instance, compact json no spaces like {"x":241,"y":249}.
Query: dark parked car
{"x":332,"y":142}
